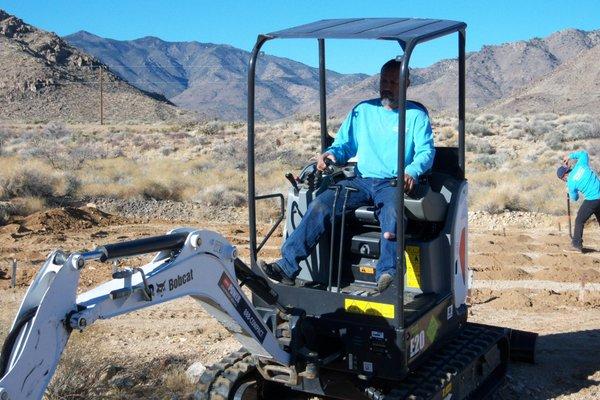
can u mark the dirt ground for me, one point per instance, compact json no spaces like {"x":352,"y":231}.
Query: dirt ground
{"x":522,"y":279}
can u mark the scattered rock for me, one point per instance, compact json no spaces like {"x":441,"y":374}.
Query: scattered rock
{"x":121,"y":382}
{"x":195,"y":371}
{"x":110,"y":372}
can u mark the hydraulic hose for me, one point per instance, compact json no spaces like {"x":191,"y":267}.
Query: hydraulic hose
{"x":9,"y":343}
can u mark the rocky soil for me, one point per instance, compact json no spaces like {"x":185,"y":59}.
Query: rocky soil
{"x":522,"y":279}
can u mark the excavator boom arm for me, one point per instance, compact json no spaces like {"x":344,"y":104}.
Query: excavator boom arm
{"x":196,"y":263}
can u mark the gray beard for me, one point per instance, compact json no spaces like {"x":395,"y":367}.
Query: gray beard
{"x":386,"y":102}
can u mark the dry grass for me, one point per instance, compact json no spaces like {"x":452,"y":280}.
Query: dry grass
{"x":84,"y":374}
{"x":510,"y":159}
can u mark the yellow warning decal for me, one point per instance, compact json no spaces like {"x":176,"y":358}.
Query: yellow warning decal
{"x":369,"y":307}
{"x":412,"y":257}
{"x":367,"y":270}
{"x":447,"y":389}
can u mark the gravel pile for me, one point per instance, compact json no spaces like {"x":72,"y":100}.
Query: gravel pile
{"x":192,"y":211}
{"x":170,"y":210}
{"x":521,"y":219}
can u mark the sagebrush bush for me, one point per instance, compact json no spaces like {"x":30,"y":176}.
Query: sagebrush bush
{"x":222,"y":195}
{"x":581,"y":130}
{"x":154,"y":190}
{"x":477,"y":129}
{"x":212,"y":128}
{"x":481,"y":146}
{"x":34,"y":179}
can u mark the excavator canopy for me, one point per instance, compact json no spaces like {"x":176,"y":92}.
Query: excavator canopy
{"x":403,"y":30}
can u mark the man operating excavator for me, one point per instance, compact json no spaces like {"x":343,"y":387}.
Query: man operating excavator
{"x":370,"y":133}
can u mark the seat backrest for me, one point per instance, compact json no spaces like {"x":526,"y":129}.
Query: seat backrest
{"x":446,"y":161}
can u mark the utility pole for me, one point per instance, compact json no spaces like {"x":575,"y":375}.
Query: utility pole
{"x":101,"y":98}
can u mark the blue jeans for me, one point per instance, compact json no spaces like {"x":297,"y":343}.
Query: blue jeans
{"x":317,"y":220}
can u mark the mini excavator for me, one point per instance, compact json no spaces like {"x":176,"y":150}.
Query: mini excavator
{"x":332,"y":335}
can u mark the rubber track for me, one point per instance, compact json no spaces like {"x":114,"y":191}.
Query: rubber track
{"x":219,"y":379}
{"x":445,"y":364}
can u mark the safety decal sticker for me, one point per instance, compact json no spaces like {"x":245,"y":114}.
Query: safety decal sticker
{"x":370,"y":308}
{"x":242,"y":307}
{"x":432,"y":329}
{"x":447,"y":391}
{"x":412,"y":257}
{"x":367,"y":270}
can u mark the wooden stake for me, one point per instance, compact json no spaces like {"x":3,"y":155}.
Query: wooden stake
{"x":13,"y":279}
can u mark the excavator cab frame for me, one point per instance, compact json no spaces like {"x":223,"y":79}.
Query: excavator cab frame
{"x":408,"y":33}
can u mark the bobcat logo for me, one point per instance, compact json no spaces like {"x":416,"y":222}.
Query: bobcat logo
{"x":160,"y":288}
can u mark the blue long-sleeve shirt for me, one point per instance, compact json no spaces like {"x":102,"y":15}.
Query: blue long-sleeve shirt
{"x":582,"y":179}
{"x":370,"y":132}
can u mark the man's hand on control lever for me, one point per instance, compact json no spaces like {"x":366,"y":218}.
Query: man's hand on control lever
{"x":409,"y":183}
{"x":321,"y":161}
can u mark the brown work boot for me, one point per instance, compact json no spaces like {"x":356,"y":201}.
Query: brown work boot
{"x":384,"y":281}
{"x":274,"y":271}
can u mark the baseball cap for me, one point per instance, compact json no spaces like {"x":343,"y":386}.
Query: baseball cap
{"x":561,"y":171}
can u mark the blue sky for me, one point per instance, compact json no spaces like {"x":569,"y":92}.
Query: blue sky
{"x":238,"y":22}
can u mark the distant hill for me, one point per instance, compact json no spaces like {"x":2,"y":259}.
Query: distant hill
{"x":210,"y":78}
{"x":573,"y":87}
{"x":44,"y":78}
{"x":494,"y":73}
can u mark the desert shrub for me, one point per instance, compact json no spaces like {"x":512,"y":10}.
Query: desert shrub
{"x":153,"y":190}
{"x":536,"y":129}
{"x":307,"y":117}
{"x":554,"y":141}
{"x":167,"y":150}
{"x":199,"y":141}
{"x":221,"y":195}
{"x":572,"y":118}
{"x":487,"y":118}
{"x":34,"y":179}
{"x":212,"y":128}
{"x":593,"y":149}
{"x":491,"y":160}
{"x":83,"y":384}
{"x":56,"y":130}
{"x":481,"y":146}
{"x":199,"y":167}
{"x":544,"y":117}
{"x":233,"y":153}
{"x":515,"y":133}
{"x":446,"y":133}
{"x":499,"y":200}
{"x":581,"y":130}
{"x":27,"y":205}
{"x":477,"y":129}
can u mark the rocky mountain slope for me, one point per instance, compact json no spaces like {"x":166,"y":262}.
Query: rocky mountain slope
{"x":44,"y":78}
{"x":210,"y":78}
{"x":573,"y":87}
{"x":496,"y":73}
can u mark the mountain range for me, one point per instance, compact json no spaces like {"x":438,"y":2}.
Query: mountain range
{"x":210,"y":78}
{"x":44,"y":78}
{"x":51,"y":77}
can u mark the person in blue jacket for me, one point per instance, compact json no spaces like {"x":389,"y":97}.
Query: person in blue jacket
{"x":580,"y":178}
{"x":370,"y":133}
